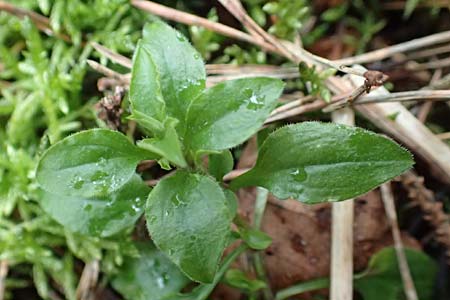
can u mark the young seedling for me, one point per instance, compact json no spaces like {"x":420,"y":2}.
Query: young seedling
{"x":89,"y":181}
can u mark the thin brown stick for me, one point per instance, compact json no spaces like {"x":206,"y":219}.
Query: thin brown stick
{"x":3,"y":273}
{"x":235,"y":173}
{"x":108,"y":72}
{"x":342,"y":233}
{"x":295,"y":108}
{"x":436,"y":64}
{"x":313,"y":106}
{"x":113,"y":56}
{"x":422,"y":95}
{"x":88,"y":281}
{"x":292,"y":104}
{"x":424,"y":111}
{"x":237,"y":10}
{"x":444,"y":136}
{"x":189,"y":19}
{"x":429,"y":52}
{"x":386,"y":52}
{"x":41,"y":22}
{"x":389,"y":206}
{"x":227,"y":69}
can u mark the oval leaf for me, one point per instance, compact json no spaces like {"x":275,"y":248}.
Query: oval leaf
{"x":188,"y":219}
{"x":98,"y":216}
{"x":319,"y":162}
{"x":149,"y":276}
{"x":383,"y":275}
{"x":91,"y":163}
{"x":181,"y":69}
{"x":145,"y":89}
{"x":227,"y":114}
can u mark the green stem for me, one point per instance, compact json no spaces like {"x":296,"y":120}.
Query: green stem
{"x":262,"y":195}
{"x":307,"y":286}
{"x":260,"y":205}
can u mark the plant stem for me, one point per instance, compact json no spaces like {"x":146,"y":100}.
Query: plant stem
{"x":261,"y":200}
{"x":262,"y":195}
{"x":307,"y":286}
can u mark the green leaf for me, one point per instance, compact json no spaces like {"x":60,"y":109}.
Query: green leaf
{"x":383,"y":275}
{"x":91,"y":163}
{"x":255,"y":239}
{"x":319,"y":162}
{"x":149,"y":124}
{"x":202,"y":291}
{"x":410,"y":6}
{"x":229,"y":113}
{"x":232,"y":203}
{"x":335,"y":13}
{"x":168,"y":146}
{"x":180,"y":67}
{"x":149,"y":276}
{"x":188,"y":219}
{"x":220,"y":164}
{"x":238,"y":279}
{"x":145,"y":89}
{"x":96,"y":216}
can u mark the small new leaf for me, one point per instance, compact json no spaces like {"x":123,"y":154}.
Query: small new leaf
{"x":145,"y":88}
{"x":189,"y":220}
{"x":238,"y":279}
{"x":179,"y":66}
{"x":92,"y":163}
{"x":167,"y":146}
{"x":320,"y":162}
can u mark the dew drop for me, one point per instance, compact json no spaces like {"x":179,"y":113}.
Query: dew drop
{"x":152,"y":219}
{"x":180,"y":37}
{"x":98,"y":175}
{"x":255,"y":102}
{"x":298,"y":175}
{"x":177,"y":201}
{"x":78,"y":183}
{"x":160,"y":282}
{"x":135,"y":208}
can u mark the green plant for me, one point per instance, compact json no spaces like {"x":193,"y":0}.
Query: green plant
{"x":89,"y":183}
{"x":288,"y":16}
{"x":382,"y":273}
{"x":313,"y":81}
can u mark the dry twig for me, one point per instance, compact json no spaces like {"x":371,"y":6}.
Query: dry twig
{"x":41,"y":22}
{"x":3,"y":274}
{"x":113,"y":56}
{"x":342,"y":233}
{"x":88,"y":281}
{"x":432,"y":209}
{"x":189,"y":19}
{"x":389,"y":206}
{"x":386,"y":52}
